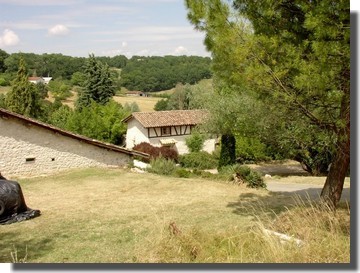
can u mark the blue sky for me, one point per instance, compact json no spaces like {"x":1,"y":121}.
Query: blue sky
{"x":102,"y":27}
{"x":105,"y":28}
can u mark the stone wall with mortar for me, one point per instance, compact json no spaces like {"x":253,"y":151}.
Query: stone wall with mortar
{"x":29,"y":150}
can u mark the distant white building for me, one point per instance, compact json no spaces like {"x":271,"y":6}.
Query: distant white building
{"x":165,"y":128}
{"x":36,"y":80}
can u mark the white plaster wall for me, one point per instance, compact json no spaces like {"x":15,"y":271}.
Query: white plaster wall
{"x":135,"y":134}
{"x":52,"y":152}
{"x":209,"y":145}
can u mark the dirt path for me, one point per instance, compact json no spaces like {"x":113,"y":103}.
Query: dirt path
{"x":305,"y":190}
{"x":289,"y":178}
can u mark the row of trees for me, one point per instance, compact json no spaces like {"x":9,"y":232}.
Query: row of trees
{"x":291,"y":61}
{"x":137,"y":73}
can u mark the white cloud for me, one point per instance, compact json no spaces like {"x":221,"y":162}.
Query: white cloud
{"x":180,"y":50}
{"x":124,"y":44}
{"x":9,"y":38}
{"x":58,"y":30}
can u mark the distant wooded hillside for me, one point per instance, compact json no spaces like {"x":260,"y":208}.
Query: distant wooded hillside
{"x":161,"y":73}
{"x":137,"y":73}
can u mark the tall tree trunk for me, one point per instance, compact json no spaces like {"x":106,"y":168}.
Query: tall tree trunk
{"x":332,"y":190}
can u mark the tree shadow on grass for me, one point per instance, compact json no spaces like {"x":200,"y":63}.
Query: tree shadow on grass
{"x":259,"y":205}
{"x":14,"y":249}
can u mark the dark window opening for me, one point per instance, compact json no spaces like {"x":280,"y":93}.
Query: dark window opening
{"x":30,"y":159}
{"x":165,"y":131}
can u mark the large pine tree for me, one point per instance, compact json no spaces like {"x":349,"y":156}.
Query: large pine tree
{"x":23,"y":97}
{"x":98,"y":85}
{"x":296,"y":56}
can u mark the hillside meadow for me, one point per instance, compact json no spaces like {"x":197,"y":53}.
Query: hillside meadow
{"x":116,"y":216}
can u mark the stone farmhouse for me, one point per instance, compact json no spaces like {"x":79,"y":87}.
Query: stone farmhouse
{"x":31,"y":148}
{"x":165,"y":128}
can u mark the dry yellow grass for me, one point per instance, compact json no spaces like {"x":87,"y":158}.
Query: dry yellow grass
{"x":102,"y":215}
{"x":4,"y":89}
{"x":146,"y":104}
{"x":99,"y":215}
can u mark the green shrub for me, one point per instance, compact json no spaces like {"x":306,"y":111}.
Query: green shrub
{"x":227,"y":152}
{"x":195,"y":142}
{"x":200,"y":160}
{"x":243,"y":174}
{"x":183,"y":173}
{"x":3,"y":82}
{"x":250,"y":150}
{"x":2,"y":101}
{"x":162,"y":166}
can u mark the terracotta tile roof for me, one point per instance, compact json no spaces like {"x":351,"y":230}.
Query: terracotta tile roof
{"x":34,"y":78}
{"x":169,"y":118}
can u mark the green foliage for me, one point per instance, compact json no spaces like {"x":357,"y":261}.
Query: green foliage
{"x":195,"y":142}
{"x":60,"y":116}
{"x":98,"y":85}
{"x":6,"y":78}
{"x":227,"y":152}
{"x":3,"y":82}
{"x":162,"y":73}
{"x":23,"y":98}
{"x":53,"y":65}
{"x":243,"y":174}
{"x":180,"y":99}
{"x":198,"y":160}
{"x":295,"y":55}
{"x":3,"y":56}
{"x":138,"y":73}
{"x":162,"y":166}
{"x":78,"y":78}
{"x":2,"y":101}
{"x":118,"y":61}
{"x":132,"y":107}
{"x":101,"y":122}
{"x":59,"y":88}
{"x":42,"y":90}
{"x":161,"y":105}
{"x":182,"y":173}
{"x":250,"y":150}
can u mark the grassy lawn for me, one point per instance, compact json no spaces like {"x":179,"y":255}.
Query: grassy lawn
{"x":102,"y":215}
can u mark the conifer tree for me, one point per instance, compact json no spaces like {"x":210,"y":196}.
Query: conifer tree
{"x":98,"y":85}
{"x":296,"y":56}
{"x":23,"y":98}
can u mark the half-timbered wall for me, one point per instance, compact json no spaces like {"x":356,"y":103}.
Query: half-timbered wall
{"x":136,"y":134}
{"x":169,"y":131}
